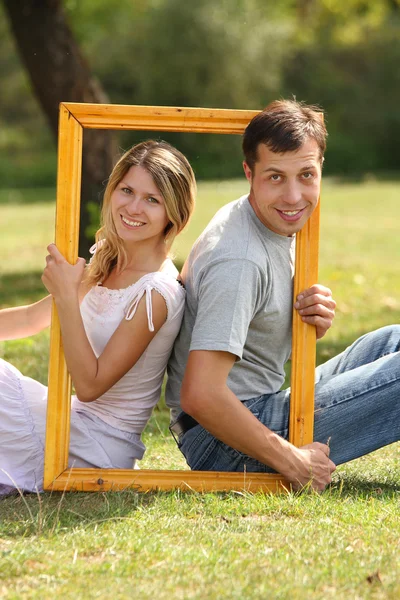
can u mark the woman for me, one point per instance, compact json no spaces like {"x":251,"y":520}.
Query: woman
{"x":119,"y":317}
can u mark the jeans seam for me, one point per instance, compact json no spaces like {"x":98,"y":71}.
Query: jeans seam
{"x":359,"y":394}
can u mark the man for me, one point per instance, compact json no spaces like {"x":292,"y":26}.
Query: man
{"x":227,"y":366}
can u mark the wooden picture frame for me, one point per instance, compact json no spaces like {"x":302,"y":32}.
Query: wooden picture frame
{"x":57,"y":476}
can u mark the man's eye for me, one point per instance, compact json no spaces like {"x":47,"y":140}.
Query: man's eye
{"x":308,"y":175}
{"x":275,"y":177}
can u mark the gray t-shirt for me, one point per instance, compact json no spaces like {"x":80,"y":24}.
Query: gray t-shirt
{"x":239,"y":297}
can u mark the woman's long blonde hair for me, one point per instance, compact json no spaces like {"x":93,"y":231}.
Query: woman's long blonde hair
{"x":174,"y":178}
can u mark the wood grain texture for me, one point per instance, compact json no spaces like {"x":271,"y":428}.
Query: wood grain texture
{"x":161,"y":118}
{"x":66,"y":238}
{"x":301,"y":421}
{"x":95,"y":480}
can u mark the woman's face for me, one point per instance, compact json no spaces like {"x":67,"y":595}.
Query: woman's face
{"x":138,"y":208}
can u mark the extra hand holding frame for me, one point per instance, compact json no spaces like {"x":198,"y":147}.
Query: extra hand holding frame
{"x":57,"y":476}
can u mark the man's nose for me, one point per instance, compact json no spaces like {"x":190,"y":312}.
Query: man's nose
{"x":292,"y":193}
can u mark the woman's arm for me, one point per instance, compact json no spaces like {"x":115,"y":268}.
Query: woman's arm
{"x":23,"y":321}
{"x":93,"y":376}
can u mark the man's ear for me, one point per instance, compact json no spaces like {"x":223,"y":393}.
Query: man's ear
{"x":247,"y":172}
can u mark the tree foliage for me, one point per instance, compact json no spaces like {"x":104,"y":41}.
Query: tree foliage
{"x":348,"y":61}
{"x":232,"y":53}
{"x":58,"y":72}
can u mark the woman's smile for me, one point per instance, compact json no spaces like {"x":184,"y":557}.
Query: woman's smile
{"x":130,"y":223}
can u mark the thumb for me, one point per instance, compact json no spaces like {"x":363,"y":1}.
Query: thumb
{"x":81,"y":261}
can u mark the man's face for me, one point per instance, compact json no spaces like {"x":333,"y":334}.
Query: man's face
{"x":284,"y":188}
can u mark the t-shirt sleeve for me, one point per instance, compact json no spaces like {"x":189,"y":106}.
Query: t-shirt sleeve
{"x":229,"y":295}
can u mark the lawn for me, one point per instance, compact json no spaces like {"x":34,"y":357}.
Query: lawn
{"x":341,"y":544}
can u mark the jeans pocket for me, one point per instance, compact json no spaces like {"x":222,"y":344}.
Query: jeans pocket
{"x":198,"y":447}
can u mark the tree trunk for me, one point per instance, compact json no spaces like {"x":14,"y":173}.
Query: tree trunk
{"x":59,"y":73}
{"x":304,"y":8}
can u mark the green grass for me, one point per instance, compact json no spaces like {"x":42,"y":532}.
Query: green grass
{"x":173,"y":545}
{"x":211,"y":546}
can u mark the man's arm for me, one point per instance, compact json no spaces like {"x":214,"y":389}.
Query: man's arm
{"x":206,"y":397}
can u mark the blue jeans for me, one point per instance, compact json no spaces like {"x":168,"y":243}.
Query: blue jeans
{"x":357,"y":406}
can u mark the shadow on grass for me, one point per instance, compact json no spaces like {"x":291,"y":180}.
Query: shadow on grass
{"x":48,"y":514}
{"x":365,"y":486}
{"x":17,"y":289}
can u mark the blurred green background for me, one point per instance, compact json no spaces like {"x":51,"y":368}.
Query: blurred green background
{"x":344,"y":56}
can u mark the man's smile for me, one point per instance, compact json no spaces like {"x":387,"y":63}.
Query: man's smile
{"x":291,"y":215}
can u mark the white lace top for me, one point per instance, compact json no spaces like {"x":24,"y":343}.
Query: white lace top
{"x":128,"y":404}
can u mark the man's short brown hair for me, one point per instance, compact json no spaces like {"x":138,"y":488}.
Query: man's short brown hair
{"x":284,"y":126}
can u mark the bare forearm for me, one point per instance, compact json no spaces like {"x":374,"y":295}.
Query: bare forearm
{"x":81,"y":360}
{"x":14,"y":323}
{"x":225,"y":417}
{"x":230,"y":421}
{"x":206,"y":396}
{"x":24,"y":321}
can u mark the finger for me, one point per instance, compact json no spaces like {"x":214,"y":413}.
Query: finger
{"x":322,"y":447}
{"x":321,"y":325}
{"x":323,"y":290}
{"x":317,"y":310}
{"x":332,"y":466}
{"x":318,"y":322}
{"x":81,"y":261}
{"x":315,"y":289}
{"x":315,"y":299}
{"x":319,"y":486}
{"x":55,"y":253}
{"x":48,"y":259}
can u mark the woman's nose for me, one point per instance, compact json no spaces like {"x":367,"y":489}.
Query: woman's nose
{"x":134,"y":205}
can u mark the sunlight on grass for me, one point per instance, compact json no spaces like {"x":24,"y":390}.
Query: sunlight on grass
{"x":27,"y":229}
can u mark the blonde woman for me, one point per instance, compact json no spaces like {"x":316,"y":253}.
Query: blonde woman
{"x":119,"y":317}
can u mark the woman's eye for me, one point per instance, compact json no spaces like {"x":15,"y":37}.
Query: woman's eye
{"x":126,"y":190}
{"x":153,"y":200}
